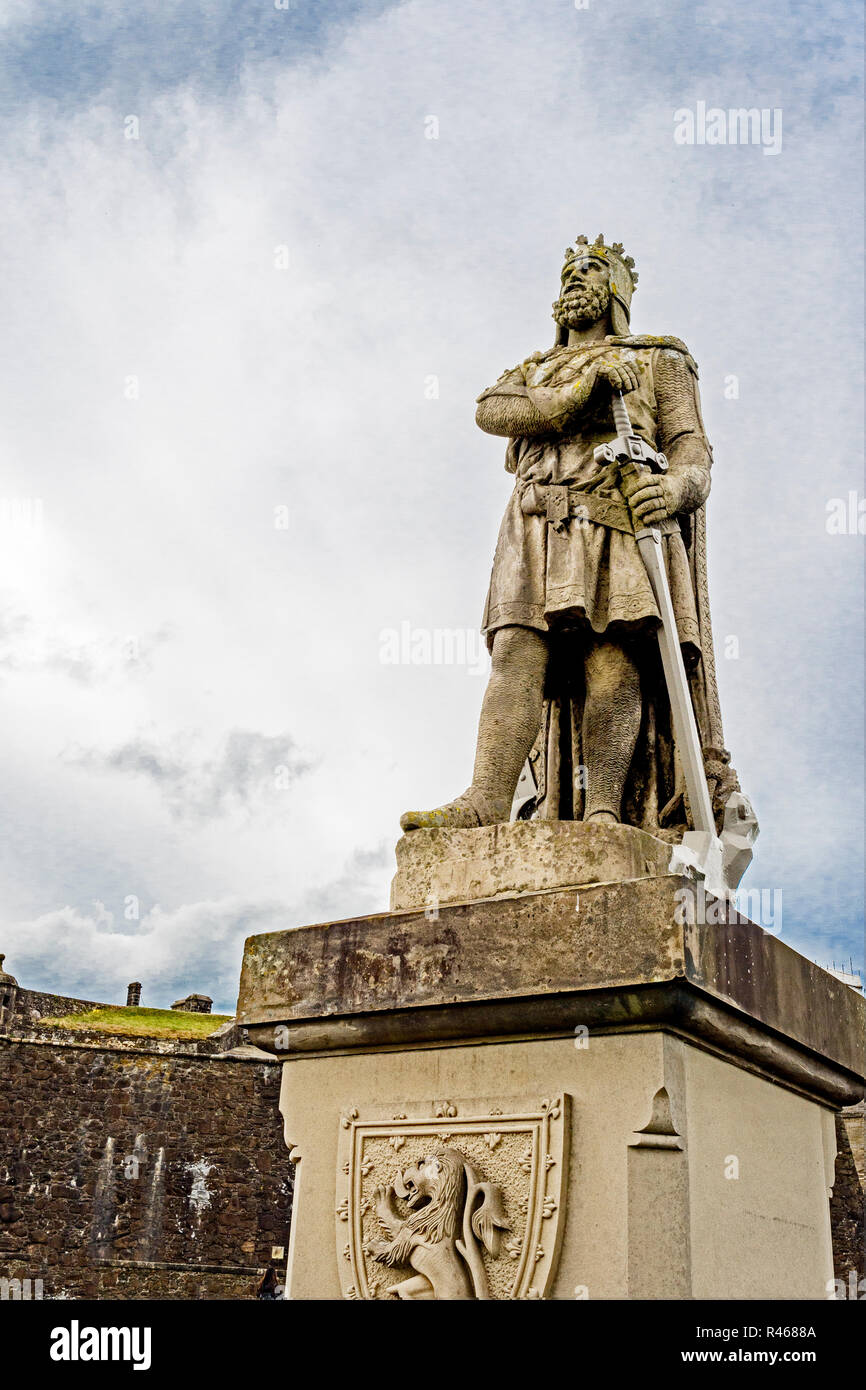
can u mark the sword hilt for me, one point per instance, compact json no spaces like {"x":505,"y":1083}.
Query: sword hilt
{"x":628,"y":447}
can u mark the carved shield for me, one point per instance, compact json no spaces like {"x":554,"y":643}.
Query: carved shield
{"x":436,"y":1203}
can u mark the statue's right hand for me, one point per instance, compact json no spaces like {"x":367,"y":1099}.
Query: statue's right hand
{"x":621,"y":376}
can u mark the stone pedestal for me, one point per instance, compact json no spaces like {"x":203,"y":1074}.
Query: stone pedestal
{"x":451,"y":866}
{"x":593,"y":1091}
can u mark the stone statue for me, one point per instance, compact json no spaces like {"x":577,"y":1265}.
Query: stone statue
{"x":576,"y":682}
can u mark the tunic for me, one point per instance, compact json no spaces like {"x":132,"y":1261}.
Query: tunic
{"x":585,"y":572}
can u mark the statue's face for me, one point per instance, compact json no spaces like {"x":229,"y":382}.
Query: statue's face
{"x":585,"y":293}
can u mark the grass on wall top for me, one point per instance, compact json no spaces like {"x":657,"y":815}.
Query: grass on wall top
{"x":142,"y":1023}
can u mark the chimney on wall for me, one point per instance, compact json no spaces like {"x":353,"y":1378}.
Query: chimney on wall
{"x":133,"y":994}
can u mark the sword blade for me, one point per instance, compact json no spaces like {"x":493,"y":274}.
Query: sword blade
{"x":682,"y":711}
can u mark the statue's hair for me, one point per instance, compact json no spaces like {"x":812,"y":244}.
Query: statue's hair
{"x":438,"y":1219}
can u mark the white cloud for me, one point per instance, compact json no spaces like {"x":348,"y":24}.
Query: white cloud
{"x":166,"y":387}
{"x":248,"y":769}
{"x":95,"y":951}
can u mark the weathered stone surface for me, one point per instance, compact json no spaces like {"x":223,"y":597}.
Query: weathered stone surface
{"x":538,"y":943}
{"x":30,"y":1005}
{"x":135,"y":1170}
{"x":446,"y":866}
{"x":624,"y":955}
{"x":847,"y":1204}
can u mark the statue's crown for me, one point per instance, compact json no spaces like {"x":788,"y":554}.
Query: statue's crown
{"x":583,"y":247}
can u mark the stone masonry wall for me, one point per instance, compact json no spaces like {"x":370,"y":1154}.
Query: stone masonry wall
{"x":130,"y":1169}
{"x":23,"y":1008}
{"x":31,"y":1003}
{"x":847,"y":1203}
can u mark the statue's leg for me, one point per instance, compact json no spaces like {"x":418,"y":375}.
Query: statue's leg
{"x":510,"y":716}
{"x":611,"y":723}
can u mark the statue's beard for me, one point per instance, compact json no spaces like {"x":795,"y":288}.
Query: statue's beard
{"x":578,"y":308}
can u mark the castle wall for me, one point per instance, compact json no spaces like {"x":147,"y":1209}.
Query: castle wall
{"x":846,"y":1205}
{"x":135,"y":1169}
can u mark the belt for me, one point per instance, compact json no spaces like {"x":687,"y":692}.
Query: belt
{"x":559,"y":502}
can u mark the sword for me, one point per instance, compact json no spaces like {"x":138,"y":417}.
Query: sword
{"x":703,"y":849}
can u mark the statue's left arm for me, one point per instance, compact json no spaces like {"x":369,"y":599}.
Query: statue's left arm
{"x":681,"y":436}
{"x":681,"y":433}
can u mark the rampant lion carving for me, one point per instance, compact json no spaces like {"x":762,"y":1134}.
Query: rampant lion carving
{"x":450,"y":1211}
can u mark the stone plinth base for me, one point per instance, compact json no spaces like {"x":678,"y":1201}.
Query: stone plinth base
{"x":447,"y":866}
{"x":560,"y":1094}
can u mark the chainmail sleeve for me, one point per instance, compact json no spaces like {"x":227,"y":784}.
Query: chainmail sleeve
{"x":681,"y":433}
{"x":506,"y":409}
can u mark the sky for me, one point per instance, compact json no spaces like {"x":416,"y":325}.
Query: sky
{"x":257,"y":264}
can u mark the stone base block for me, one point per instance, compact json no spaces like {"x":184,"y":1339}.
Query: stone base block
{"x":435,"y":867}
{"x":627,"y":1166}
{"x":579,"y":1093}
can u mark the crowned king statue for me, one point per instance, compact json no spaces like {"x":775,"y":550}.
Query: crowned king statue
{"x":572,"y":619}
